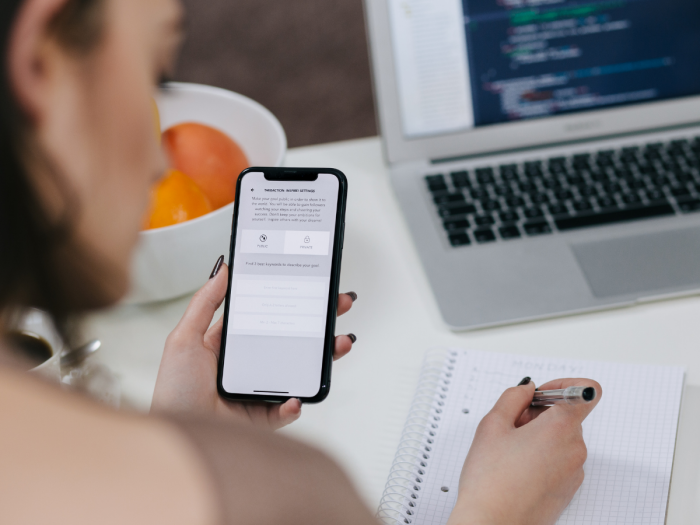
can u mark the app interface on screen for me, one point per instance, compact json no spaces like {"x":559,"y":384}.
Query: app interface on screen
{"x":280,"y":286}
{"x":462,"y":64}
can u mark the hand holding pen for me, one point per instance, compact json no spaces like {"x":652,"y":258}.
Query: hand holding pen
{"x":537,"y":452}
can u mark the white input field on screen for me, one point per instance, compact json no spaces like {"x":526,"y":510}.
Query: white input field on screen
{"x":273,"y":306}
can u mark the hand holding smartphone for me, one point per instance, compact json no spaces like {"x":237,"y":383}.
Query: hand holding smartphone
{"x":280,"y":310}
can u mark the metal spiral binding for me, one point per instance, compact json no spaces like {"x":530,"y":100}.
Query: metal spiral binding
{"x":402,"y":495}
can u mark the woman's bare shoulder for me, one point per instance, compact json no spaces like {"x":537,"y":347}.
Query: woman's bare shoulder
{"x":67,"y":460}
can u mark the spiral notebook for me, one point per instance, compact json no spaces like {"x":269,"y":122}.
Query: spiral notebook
{"x":630,"y":436}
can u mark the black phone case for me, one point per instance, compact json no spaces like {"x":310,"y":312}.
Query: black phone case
{"x":329,"y":340}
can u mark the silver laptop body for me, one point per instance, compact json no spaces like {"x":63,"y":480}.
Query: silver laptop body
{"x":483,"y":103}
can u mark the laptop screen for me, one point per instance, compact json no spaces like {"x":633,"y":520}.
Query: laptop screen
{"x":462,"y":64}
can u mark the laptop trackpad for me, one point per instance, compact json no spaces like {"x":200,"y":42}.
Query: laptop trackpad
{"x":642,"y":264}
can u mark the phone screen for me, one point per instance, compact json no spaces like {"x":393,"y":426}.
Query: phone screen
{"x":280,"y":285}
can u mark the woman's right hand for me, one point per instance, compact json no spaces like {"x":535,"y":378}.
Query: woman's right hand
{"x":525,"y":464}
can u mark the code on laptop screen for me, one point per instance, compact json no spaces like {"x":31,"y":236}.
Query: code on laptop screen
{"x":534,"y":58}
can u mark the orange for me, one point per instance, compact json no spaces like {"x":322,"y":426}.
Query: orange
{"x":175,"y":199}
{"x":209,"y":157}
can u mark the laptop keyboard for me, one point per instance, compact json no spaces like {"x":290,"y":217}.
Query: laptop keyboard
{"x":565,"y":193}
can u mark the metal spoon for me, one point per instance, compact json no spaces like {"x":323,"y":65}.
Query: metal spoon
{"x":78,"y":355}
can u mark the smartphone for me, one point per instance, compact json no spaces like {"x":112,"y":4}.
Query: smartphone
{"x":284,"y":269}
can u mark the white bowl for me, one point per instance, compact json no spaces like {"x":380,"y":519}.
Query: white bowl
{"x":177,"y":260}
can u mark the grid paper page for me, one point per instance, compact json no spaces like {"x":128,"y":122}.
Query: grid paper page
{"x":630,"y":435}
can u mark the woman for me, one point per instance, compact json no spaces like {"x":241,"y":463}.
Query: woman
{"x":77,"y":160}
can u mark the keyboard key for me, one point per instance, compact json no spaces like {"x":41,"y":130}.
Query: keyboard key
{"x":680,"y":191}
{"x":451,"y":211}
{"x":533,"y":213}
{"x":447,"y":198}
{"x":509,"y":216}
{"x":689,"y":205}
{"x":537,"y":227}
{"x":456,"y":224}
{"x":659,"y":180}
{"x":436,"y":187}
{"x":527,"y":186}
{"x":599,"y":176}
{"x":558,"y":209}
{"x":509,"y":172}
{"x":490,"y":205}
{"x":484,"y":220}
{"x":557,"y":161}
{"x":539,"y":198}
{"x":612,"y":187}
{"x":628,"y":155}
{"x":683,"y":177}
{"x":582,"y":160}
{"x":637,"y":184}
{"x":626,"y":175}
{"x":588,"y":191}
{"x":604,"y":161}
{"x":514,"y":202}
{"x":563,"y":195}
{"x":646,"y":168}
{"x":575,"y":179}
{"x":582,"y":205}
{"x":597,"y":219}
{"x":503,"y":189}
{"x":484,"y":235}
{"x":606,"y":202}
{"x":536,"y":165}
{"x":479,"y":193}
{"x":460,"y":179}
{"x":557,"y":169}
{"x":484,"y":175}
{"x":552,"y":183}
{"x":509,"y":232}
{"x":631,"y":198}
{"x":460,"y":239}
{"x":655,"y":195}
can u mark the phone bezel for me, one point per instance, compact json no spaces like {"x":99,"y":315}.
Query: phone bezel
{"x":331,"y":313}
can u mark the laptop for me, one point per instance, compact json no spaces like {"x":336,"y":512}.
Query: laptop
{"x":545,"y":153}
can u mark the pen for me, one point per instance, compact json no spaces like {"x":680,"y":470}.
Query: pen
{"x":574,"y":395}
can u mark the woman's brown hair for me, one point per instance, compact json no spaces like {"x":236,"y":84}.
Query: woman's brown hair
{"x":29,"y":241}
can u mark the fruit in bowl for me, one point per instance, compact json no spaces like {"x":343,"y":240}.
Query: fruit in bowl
{"x":199,"y":121}
{"x":176,"y":198}
{"x":205,"y":166}
{"x":209,"y":157}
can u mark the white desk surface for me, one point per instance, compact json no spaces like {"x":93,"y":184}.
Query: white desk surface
{"x":396,"y":319}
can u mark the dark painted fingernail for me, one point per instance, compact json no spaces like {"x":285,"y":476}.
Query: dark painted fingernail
{"x":352,"y":337}
{"x":352,"y":295}
{"x":525,"y":381}
{"x":217,"y":267}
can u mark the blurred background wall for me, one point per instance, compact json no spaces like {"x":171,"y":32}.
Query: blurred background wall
{"x":305,"y":60}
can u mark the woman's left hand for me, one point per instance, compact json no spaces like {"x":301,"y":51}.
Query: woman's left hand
{"x":187,"y":375}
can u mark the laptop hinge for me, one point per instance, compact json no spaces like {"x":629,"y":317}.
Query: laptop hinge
{"x":557,"y":144}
